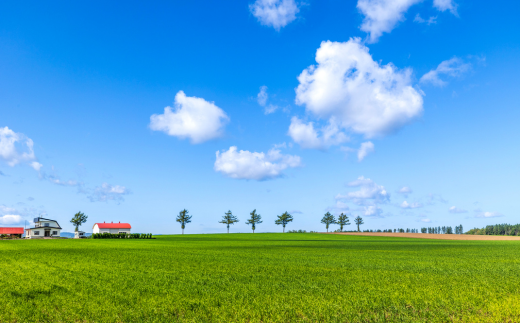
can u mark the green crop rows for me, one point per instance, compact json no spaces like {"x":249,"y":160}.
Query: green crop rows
{"x":260,"y":278}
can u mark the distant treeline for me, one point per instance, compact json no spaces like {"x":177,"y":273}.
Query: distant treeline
{"x":443,"y":230}
{"x":497,"y":230}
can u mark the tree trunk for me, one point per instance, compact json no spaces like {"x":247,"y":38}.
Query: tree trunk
{"x":284,"y":229}
{"x":228,"y":230}
{"x":182,"y":231}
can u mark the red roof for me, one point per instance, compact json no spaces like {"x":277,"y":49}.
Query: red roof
{"x":114,"y":225}
{"x":11,"y":230}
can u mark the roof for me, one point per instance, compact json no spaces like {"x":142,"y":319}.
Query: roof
{"x":113,"y":225}
{"x":13,"y":230}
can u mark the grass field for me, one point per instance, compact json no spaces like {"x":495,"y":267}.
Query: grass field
{"x":260,"y":278}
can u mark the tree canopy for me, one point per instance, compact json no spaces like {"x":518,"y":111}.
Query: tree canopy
{"x":358,"y":221}
{"x":78,"y":219}
{"x":284,"y":219}
{"x":183,"y":218}
{"x":342,"y":221}
{"x":254,"y":220}
{"x":228,"y":219}
{"x":328,"y":219}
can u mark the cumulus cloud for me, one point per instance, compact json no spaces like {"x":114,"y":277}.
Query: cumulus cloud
{"x":192,"y":117}
{"x":10,"y":219}
{"x":355,"y":91}
{"x":488,"y":215}
{"x":454,"y":67}
{"x":274,"y":13}
{"x":16,"y":148}
{"x":405,"y":190}
{"x":406,"y":205}
{"x":443,"y":5}
{"x":455,"y":209}
{"x":262,"y":98}
{"x":381,"y":16}
{"x":244,"y":164}
{"x":365,"y":149}
{"x":426,"y":220}
{"x":107,"y":192}
{"x":372,"y":211}
{"x":369,"y":193}
{"x":305,"y":135}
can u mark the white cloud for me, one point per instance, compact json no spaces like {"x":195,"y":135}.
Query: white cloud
{"x":454,"y":67}
{"x":262,"y":98}
{"x":372,"y":211}
{"x":365,"y":149}
{"x":10,"y":219}
{"x":358,"y":93}
{"x":406,"y":205}
{"x":274,"y":13}
{"x":455,"y":209}
{"x":381,"y":16}
{"x":430,"y":21}
{"x":369,"y":193}
{"x":443,"y":5}
{"x":16,"y":148}
{"x":405,"y":190}
{"x":244,"y":164}
{"x":488,"y":215}
{"x":426,"y":220}
{"x":107,"y":192}
{"x":193,"y":118}
{"x":305,"y":135}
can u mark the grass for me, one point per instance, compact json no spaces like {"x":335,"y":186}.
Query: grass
{"x":260,"y":278}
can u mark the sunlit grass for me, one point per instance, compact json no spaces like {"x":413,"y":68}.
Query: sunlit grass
{"x":260,"y":278}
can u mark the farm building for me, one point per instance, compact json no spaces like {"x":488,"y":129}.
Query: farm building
{"x":43,"y":228}
{"x":111,"y":227}
{"x":11,"y":231}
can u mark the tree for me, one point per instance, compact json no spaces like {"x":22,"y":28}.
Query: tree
{"x":78,"y":219}
{"x":358,"y":221}
{"x":254,"y":220}
{"x":284,"y":219}
{"x":228,"y":219}
{"x":183,"y":218}
{"x":328,"y":219}
{"x":342,"y":221}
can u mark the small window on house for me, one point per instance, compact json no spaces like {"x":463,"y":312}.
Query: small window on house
{"x":46,"y":224}
{"x":54,"y":233}
{"x":36,"y":233}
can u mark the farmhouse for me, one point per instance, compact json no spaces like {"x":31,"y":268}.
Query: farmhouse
{"x":111,"y":227}
{"x":11,"y":231}
{"x":43,"y":228}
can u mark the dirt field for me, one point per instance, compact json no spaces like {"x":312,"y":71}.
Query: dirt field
{"x":430,"y":236}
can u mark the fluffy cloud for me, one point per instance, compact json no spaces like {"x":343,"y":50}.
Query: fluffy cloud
{"x":10,"y":219}
{"x":426,"y":220}
{"x":107,"y":192}
{"x":372,"y":211}
{"x":193,"y":118}
{"x":381,"y":16}
{"x":406,"y":205}
{"x":455,"y":209}
{"x":488,"y":215}
{"x":454,"y":67}
{"x":355,"y":91}
{"x":365,"y":149}
{"x":369,"y":193}
{"x":405,"y":190}
{"x":16,"y":148}
{"x":443,"y":5}
{"x":244,"y":164}
{"x":307,"y":136}
{"x":274,"y":13}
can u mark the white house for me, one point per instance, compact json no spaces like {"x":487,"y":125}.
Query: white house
{"x":43,"y":228}
{"x":111,"y":227}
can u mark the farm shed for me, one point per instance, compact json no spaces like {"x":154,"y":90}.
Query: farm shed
{"x":12,"y":231}
{"x":111,"y":227}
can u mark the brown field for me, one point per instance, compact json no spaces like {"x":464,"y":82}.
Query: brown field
{"x":429,"y":236}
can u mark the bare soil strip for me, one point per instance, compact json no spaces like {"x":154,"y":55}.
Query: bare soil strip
{"x":429,"y":236}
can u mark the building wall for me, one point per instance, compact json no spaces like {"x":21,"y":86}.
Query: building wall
{"x":42,"y":233}
{"x":96,"y":229}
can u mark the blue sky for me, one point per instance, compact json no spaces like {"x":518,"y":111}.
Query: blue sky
{"x":402,"y":111}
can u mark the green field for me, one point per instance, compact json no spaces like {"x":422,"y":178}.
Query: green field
{"x":260,"y":278}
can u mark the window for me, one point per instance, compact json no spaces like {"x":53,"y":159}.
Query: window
{"x":36,"y":233}
{"x":46,"y":224}
{"x":54,"y":233}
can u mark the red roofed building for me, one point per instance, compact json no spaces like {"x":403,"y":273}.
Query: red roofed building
{"x":111,"y":227}
{"x":13,"y":231}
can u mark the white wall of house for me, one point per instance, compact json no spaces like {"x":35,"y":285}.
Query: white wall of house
{"x":96,"y":229}
{"x":31,"y":233}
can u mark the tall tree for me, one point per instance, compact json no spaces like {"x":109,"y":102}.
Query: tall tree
{"x":342,"y":221}
{"x":228,"y":219}
{"x":78,"y":219}
{"x":358,"y":221}
{"x":183,"y":218}
{"x":328,"y":219}
{"x":254,"y":220}
{"x":283,"y":220}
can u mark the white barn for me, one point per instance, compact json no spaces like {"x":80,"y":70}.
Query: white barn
{"x":43,"y":228}
{"x":111,"y":227}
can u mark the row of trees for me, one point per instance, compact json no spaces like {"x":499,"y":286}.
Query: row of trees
{"x":342,"y":221}
{"x":497,"y":230}
{"x":228,"y":219}
{"x":443,"y":230}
